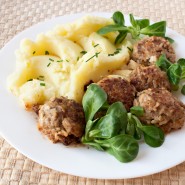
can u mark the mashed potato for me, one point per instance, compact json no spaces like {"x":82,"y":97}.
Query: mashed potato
{"x":64,"y":60}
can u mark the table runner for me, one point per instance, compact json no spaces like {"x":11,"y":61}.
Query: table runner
{"x":16,"y":16}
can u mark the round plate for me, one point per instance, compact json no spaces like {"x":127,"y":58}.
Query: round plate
{"x":18,"y":126}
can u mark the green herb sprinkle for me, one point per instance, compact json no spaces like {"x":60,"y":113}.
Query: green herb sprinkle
{"x":42,"y":84}
{"x":51,"y":59}
{"x":46,"y":53}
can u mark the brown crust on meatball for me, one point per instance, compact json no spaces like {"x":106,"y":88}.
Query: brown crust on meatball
{"x":35,"y":108}
{"x":62,"y":120}
{"x":152,"y":47}
{"x":144,"y":77}
{"x":118,"y":89}
{"x":161,"y":108}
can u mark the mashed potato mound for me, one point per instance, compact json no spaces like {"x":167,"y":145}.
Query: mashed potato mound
{"x":64,"y":60}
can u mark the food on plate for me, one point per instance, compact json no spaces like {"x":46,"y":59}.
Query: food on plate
{"x":137,"y":29}
{"x":101,"y":83}
{"x":117,"y":131}
{"x":175,"y":71}
{"x":148,"y":50}
{"x":144,"y":77}
{"x":62,"y":61}
{"x":161,"y":108}
{"x":118,"y":89}
{"x":61,"y":120}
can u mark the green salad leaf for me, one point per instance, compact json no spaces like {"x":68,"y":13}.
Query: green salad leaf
{"x":137,"y":110}
{"x":142,"y":23}
{"x":117,"y":130}
{"x":123,"y":147}
{"x":157,"y":29}
{"x":174,"y":74}
{"x":112,"y":28}
{"x":118,"y":18}
{"x":163,"y":63}
{"x":175,"y":71}
{"x":93,"y":100}
{"x":181,"y":62}
{"x":153,"y":135}
{"x":137,"y":28}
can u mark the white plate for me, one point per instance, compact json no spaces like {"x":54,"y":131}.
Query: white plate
{"x":18,"y":127}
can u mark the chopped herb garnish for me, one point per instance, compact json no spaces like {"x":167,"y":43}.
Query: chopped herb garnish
{"x":42,"y":84}
{"x":83,"y":52}
{"x":130,"y":49}
{"x":30,"y":80}
{"x":49,"y":64}
{"x":111,"y":54}
{"x":116,"y":52}
{"x":59,"y":60}
{"x":96,"y":45}
{"x":34,"y":52}
{"x":67,"y":60}
{"x":41,"y":78}
{"x":96,"y":55}
{"x":78,"y":58}
{"x":51,"y":59}
{"x":46,"y":53}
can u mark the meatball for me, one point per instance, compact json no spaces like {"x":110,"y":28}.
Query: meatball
{"x":61,"y":120}
{"x":161,"y":108}
{"x":144,"y":77}
{"x":118,"y":89}
{"x":149,"y":49}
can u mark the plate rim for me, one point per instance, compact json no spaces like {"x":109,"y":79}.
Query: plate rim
{"x":46,"y":22}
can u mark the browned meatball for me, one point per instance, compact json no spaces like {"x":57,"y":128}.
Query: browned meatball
{"x":149,"y":49}
{"x":161,"y":108}
{"x":144,"y":77}
{"x":61,"y":120}
{"x":118,"y":89}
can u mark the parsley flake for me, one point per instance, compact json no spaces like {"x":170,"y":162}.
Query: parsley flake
{"x":30,"y":80}
{"x":83,"y":52}
{"x":46,"y":53}
{"x":96,"y":45}
{"x":59,"y":60}
{"x":51,"y":59}
{"x":116,"y":52}
{"x":41,"y":78}
{"x":42,"y":84}
{"x":130,"y":49}
{"x":96,"y":55}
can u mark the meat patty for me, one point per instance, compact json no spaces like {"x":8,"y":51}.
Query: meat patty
{"x":161,"y":108}
{"x":144,"y":77}
{"x":118,"y":89}
{"x":61,"y":120}
{"x":149,"y":49}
